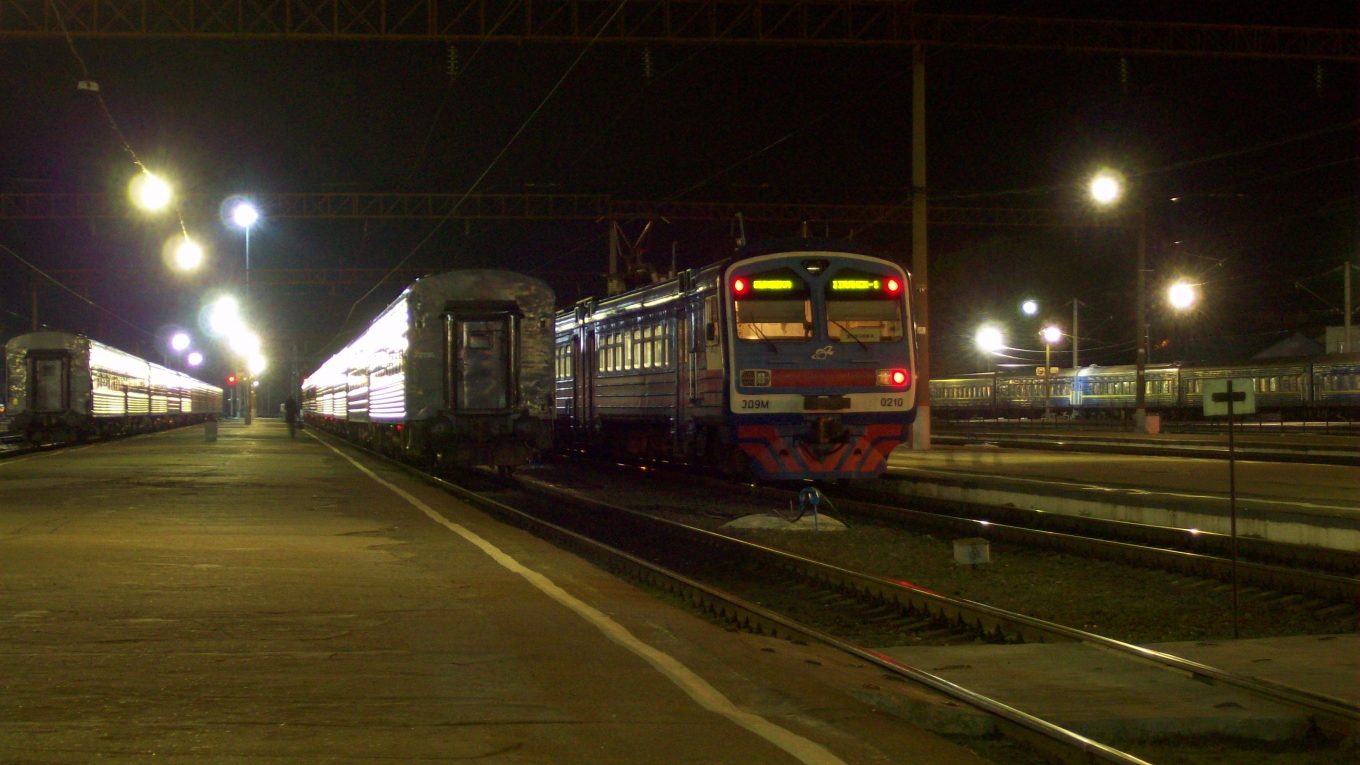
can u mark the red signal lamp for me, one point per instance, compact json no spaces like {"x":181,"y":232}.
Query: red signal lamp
{"x":897,"y":378}
{"x":231,"y":379}
{"x":739,"y":286}
{"x":894,"y":286}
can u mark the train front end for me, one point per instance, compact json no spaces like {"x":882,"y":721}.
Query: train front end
{"x":821,"y":363}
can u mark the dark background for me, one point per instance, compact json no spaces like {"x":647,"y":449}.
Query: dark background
{"x":1262,"y":154}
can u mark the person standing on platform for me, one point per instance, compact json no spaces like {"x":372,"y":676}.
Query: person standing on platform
{"x":290,"y":412}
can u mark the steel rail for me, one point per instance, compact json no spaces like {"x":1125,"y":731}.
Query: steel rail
{"x":1092,"y":444}
{"x":1335,"y":715}
{"x":1067,"y":746}
{"x":1333,"y":587}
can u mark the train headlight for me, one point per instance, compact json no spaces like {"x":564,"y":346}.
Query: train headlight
{"x":896,"y":378}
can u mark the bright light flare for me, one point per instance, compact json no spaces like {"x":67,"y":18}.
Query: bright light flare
{"x":224,"y":317}
{"x":179,"y":341}
{"x":244,"y":214}
{"x":150,"y":192}
{"x":256,"y":364}
{"x":990,"y":339}
{"x":1029,"y":307}
{"x":1107,"y":187}
{"x":188,"y":255}
{"x":1182,"y":295}
{"x":245,"y":344}
{"x":1051,"y":334}
{"x":194,"y":359}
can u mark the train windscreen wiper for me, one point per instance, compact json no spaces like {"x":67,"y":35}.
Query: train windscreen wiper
{"x":848,"y":331}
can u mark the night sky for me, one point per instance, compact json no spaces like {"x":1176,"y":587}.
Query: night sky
{"x":1264,"y":157}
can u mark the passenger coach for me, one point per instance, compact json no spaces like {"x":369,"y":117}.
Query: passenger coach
{"x":66,"y":387}
{"x":456,"y":371}
{"x":794,"y":361}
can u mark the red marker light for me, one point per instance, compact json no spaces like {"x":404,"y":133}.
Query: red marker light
{"x":899,"y":377}
{"x":894,"y":286}
{"x":739,"y":286}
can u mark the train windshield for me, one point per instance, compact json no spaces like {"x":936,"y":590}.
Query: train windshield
{"x":864,"y":308}
{"x":774,"y":305}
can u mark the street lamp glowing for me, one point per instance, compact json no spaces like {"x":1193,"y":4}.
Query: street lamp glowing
{"x":245,"y":343}
{"x":188,"y":255}
{"x":1052,"y":335}
{"x":179,"y":341}
{"x":256,"y":365}
{"x":194,"y":359}
{"x":1182,"y":295}
{"x":1107,"y":187}
{"x":1029,"y":307}
{"x":224,"y":317}
{"x":244,"y":215}
{"x":150,"y":192}
{"x":990,"y":339}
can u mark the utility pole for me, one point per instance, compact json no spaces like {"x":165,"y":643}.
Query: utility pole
{"x":920,"y":278}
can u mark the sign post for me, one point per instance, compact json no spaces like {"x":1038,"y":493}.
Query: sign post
{"x":1231,"y":397}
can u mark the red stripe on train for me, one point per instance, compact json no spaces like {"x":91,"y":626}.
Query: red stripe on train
{"x":823,"y":378}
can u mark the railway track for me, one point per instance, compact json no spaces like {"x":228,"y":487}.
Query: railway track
{"x":1312,"y":571}
{"x":704,"y":568}
{"x":1342,"y":453}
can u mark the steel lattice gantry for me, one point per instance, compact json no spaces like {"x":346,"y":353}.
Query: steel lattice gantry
{"x":705,"y":22}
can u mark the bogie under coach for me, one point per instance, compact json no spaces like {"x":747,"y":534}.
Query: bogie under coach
{"x":66,"y":387}
{"x":456,"y":372}
{"x":793,"y":361}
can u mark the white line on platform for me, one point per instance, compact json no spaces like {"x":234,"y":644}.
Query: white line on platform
{"x":697,"y":688}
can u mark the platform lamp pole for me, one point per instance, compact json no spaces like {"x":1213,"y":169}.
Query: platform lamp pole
{"x":1051,"y":335}
{"x":1106,"y":189}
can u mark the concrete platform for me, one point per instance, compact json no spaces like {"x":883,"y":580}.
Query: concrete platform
{"x":1316,"y":505}
{"x":261,"y":598}
{"x":1110,"y":698}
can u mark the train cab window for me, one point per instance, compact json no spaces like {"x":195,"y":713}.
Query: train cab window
{"x":864,"y":307}
{"x":771,"y":306}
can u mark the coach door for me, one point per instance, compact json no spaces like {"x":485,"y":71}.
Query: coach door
{"x":47,"y":374}
{"x":482,"y":352}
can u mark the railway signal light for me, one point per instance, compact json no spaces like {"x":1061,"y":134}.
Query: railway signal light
{"x":231,"y":379}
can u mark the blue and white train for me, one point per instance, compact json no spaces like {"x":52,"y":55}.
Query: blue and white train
{"x":1319,"y":387}
{"x":793,"y":360}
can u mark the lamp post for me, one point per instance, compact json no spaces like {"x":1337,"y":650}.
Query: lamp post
{"x":1106,"y":189}
{"x":244,"y":215}
{"x":1051,"y":335}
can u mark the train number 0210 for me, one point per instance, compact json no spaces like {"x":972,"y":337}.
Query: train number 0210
{"x":891,"y":401}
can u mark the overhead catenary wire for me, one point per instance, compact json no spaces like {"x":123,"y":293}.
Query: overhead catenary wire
{"x":145,"y":332}
{"x":493,"y":163}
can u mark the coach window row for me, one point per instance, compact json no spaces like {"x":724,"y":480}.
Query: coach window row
{"x":975,"y":391}
{"x":638,"y":348}
{"x":1333,"y":381}
{"x":1036,"y":388}
{"x":562,"y":361}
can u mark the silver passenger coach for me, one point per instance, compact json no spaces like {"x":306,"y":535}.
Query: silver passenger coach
{"x":456,"y":371}
{"x":66,"y":387}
